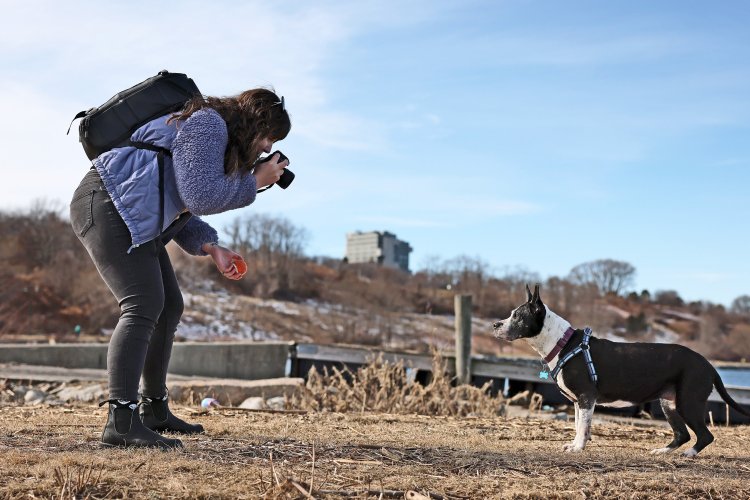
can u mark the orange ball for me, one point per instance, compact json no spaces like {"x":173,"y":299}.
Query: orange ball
{"x":240,"y":265}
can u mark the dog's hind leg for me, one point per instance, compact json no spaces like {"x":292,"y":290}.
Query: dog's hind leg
{"x":681,"y":435}
{"x":584,"y":414}
{"x":691,"y":405}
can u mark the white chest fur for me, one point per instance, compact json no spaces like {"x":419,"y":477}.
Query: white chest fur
{"x":553,"y":330}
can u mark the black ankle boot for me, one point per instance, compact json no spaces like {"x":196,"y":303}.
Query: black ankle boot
{"x":156,"y":416}
{"x":124,"y":428}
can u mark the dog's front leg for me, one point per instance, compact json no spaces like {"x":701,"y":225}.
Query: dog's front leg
{"x":566,"y":446}
{"x":584,"y":414}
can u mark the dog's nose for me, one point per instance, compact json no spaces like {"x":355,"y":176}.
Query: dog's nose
{"x":497,"y":324}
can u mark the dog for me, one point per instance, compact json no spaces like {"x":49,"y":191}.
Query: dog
{"x":619,"y":374}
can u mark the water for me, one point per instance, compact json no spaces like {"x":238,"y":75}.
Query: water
{"x":739,"y":377}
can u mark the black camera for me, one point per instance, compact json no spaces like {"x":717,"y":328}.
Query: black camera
{"x":287,"y":176}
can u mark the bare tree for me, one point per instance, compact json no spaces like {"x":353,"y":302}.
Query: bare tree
{"x":741,"y":305}
{"x":609,"y":276}
{"x":273,"y":245}
{"x":668,"y":298}
{"x":516,"y":278}
{"x":738,"y":340}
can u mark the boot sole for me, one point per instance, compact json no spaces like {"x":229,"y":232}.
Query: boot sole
{"x":184,"y":433}
{"x":161,"y":446}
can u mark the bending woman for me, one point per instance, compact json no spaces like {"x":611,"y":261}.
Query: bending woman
{"x":116,"y":214}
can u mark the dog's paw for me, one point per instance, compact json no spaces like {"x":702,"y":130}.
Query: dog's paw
{"x":661,"y":451}
{"x":572,"y":448}
{"x":691,"y":453}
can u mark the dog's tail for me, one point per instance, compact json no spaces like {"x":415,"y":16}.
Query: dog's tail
{"x":725,"y":395}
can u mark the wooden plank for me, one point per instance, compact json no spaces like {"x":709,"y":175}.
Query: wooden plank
{"x":739,"y":394}
{"x":360,"y":356}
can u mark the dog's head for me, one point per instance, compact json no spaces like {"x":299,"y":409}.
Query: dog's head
{"x":525,"y":321}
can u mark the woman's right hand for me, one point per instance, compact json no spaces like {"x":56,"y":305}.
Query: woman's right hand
{"x":269,"y":172}
{"x":224,"y":259}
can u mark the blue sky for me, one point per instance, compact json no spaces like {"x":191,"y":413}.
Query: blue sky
{"x":524,"y":133}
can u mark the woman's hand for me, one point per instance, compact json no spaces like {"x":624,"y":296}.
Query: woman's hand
{"x":224,"y":260}
{"x":269,"y":172}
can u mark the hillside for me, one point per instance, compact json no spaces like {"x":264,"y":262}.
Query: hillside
{"x":216,"y":310}
{"x":50,"y":291}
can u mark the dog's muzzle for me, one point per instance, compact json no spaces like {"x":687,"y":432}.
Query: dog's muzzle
{"x":496,"y":326}
{"x":506,"y":334}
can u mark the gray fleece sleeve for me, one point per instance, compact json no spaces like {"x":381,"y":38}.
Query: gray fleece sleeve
{"x":195,"y":233}
{"x":198,"y":159}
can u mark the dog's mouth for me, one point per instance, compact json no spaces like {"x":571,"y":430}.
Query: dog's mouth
{"x":501,"y":335}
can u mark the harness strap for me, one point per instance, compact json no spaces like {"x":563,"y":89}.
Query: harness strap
{"x":582,"y":347}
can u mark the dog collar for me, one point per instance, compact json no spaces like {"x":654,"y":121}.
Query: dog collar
{"x":560,"y":344}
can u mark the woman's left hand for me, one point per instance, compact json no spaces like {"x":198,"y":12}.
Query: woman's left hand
{"x":224,"y":259}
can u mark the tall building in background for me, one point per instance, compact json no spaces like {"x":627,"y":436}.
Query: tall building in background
{"x":379,"y":247}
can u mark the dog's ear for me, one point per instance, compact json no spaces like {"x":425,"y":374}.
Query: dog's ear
{"x":536,"y":299}
{"x":529,"y":297}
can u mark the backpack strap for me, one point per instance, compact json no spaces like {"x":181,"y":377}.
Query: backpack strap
{"x":80,"y":114}
{"x":160,"y":154}
{"x":150,"y":147}
{"x":160,"y":161}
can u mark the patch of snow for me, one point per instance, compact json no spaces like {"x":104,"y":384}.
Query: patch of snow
{"x":681,"y":315}
{"x":664,"y":335}
{"x":619,"y":312}
{"x":611,"y":336}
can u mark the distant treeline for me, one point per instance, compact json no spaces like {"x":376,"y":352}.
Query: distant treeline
{"x":48,"y":285}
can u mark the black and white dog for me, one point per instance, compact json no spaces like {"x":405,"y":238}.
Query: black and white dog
{"x":619,"y":374}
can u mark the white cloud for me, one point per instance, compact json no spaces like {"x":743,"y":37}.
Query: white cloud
{"x":59,"y":58}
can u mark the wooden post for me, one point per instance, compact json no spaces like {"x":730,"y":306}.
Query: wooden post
{"x":462,"y":306}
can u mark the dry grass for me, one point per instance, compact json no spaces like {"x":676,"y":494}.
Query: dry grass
{"x":54,"y":452}
{"x":380,"y":386}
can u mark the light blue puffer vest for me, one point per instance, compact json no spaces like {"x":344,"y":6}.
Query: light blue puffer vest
{"x":131,"y":177}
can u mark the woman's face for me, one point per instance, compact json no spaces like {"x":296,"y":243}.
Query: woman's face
{"x":266,"y":144}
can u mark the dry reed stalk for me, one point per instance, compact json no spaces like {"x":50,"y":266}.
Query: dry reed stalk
{"x":381,"y":386}
{"x":75,"y":485}
{"x":727,"y":406}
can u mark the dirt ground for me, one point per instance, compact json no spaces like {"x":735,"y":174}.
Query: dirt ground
{"x":54,"y":452}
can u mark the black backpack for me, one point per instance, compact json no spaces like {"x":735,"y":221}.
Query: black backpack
{"x":111,"y":124}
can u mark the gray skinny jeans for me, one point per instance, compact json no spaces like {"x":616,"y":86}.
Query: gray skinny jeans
{"x":144,"y":284}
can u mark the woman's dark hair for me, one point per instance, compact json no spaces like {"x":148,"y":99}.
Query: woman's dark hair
{"x":251,"y":116}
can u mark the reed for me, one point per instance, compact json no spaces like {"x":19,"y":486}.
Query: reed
{"x":385,"y":387}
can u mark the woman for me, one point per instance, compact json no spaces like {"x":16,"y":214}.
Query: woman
{"x":124,"y":220}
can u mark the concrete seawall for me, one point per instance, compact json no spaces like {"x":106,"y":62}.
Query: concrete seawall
{"x":271,"y":360}
{"x":239,"y":360}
